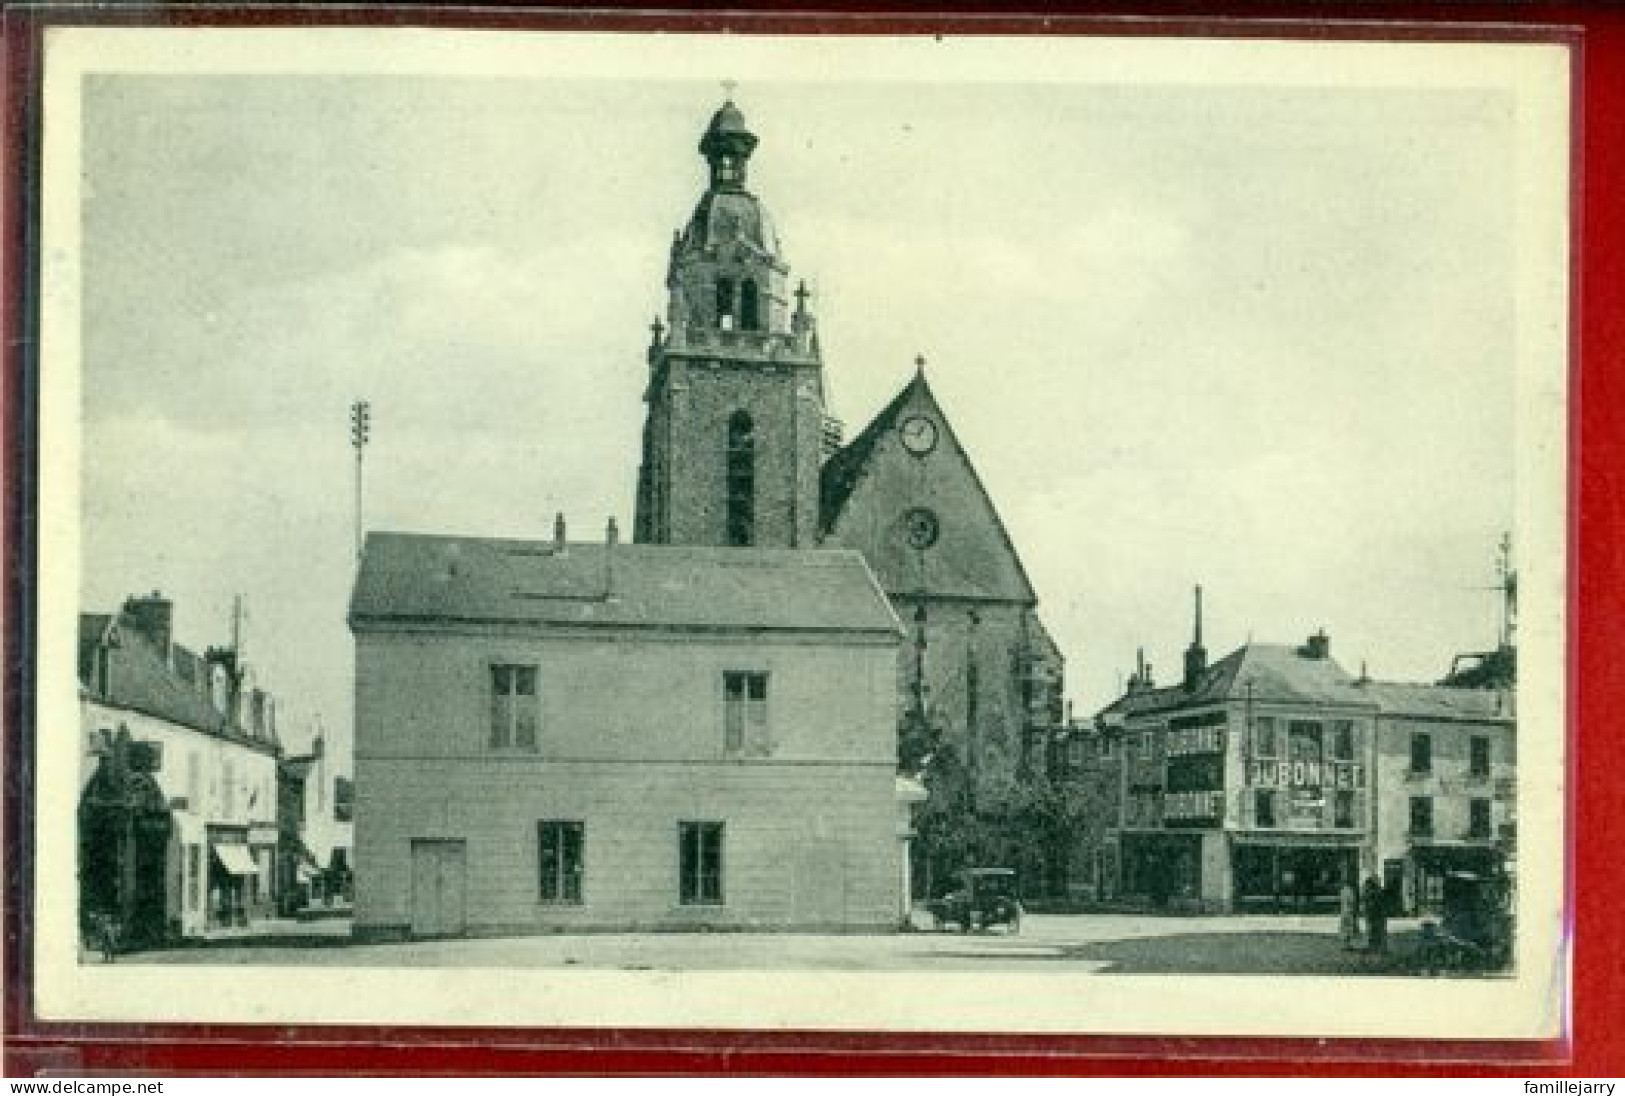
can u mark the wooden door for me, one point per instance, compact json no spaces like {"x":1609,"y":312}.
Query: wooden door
{"x":438,"y":882}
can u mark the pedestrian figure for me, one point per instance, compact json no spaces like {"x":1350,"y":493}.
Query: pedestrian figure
{"x":1374,"y":900}
{"x":1348,"y":914}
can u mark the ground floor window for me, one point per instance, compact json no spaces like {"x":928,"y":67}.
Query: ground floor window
{"x":560,"y":844}
{"x":700,"y":862}
{"x":1293,"y":876}
{"x":194,"y":877}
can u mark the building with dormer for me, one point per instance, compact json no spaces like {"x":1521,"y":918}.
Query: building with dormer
{"x":178,"y":781}
{"x":1266,"y":779}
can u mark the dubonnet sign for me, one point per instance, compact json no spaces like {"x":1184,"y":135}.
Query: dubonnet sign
{"x":1306,"y":774}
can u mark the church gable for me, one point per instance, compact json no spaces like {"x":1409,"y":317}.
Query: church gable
{"x":905,"y":494}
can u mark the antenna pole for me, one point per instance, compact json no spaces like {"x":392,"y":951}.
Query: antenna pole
{"x":360,"y":426}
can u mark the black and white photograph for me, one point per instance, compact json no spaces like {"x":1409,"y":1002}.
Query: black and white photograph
{"x":1015,"y":534}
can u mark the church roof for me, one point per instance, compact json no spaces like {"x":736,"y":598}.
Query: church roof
{"x":728,"y":119}
{"x":422,"y":578}
{"x":845,"y":467}
{"x":984,"y":565}
{"x":723,"y":217}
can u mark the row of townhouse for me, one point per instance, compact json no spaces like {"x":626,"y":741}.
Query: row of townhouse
{"x":180,"y":831}
{"x":1267,"y":779}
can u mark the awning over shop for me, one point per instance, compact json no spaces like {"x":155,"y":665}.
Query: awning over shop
{"x":235,"y":859}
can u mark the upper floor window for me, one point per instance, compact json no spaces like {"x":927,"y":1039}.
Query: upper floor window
{"x":1343,"y":740}
{"x":1343,"y":809}
{"x":1265,"y":741}
{"x":515,"y":707}
{"x":228,"y":789}
{"x":560,"y":849}
{"x":1421,"y":816}
{"x":744,"y":713}
{"x":750,"y":318}
{"x":741,"y":480}
{"x":1478,"y":818}
{"x":1264,"y":809}
{"x":1421,"y":752}
{"x":1478,"y":761}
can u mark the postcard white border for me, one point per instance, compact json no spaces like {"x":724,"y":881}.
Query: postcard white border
{"x":1531,"y":1005}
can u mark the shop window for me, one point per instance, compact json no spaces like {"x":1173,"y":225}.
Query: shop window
{"x":699,"y":846}
{"x":560,"y":847}
{"x":1342,"y":740}
{"x":1478,"y":763}
{"x":744,"y":714}
{"x":1265,"y":741}
{"x":515,"y":707}
{"x":1478,"y":819}
{"x":741,"y":480}
{"x":1421,"y":753}
{"x":1421,"y":816}
{"x":1343,"y":810}
{"x":1264,"y":809}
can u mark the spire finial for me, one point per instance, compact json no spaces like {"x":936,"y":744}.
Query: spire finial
{"x":919,"y":364}
{"x":1198,"y":638}
{"x":729,"y":87}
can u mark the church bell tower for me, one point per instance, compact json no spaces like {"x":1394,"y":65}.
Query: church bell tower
{"x":735,"y":430}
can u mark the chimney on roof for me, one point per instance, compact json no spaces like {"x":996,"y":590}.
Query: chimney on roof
{"x":1318,"y":647}
{"x":612,"y":536}
{"x":153,"y":616}
{"x":558,"y":533}
{"x":1195,"y":654}
{"x":1136,"y":681}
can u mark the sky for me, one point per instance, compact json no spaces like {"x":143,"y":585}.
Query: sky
{"x":1258,"y":338}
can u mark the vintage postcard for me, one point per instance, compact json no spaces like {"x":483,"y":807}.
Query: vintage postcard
{"x":923,"y":533}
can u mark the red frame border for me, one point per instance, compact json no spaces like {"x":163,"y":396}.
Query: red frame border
{"x":1596,"y":1044}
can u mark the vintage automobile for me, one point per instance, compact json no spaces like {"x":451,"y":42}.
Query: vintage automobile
{"x":1474,"y":932}
{"x":985,"y":897}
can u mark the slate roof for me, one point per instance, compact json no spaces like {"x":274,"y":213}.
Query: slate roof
{"x":1437,"y":701}
{"x":844,"y":470}
{"x":145,"y":679}
{"x":1279,"y":672}
{"x":417,"y":577}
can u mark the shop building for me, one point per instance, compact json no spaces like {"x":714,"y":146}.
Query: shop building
{"x":177,"y":816}
{"x":1265,"y":780}
{"x":1446,"y":768}
{"x":559,"y":735}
